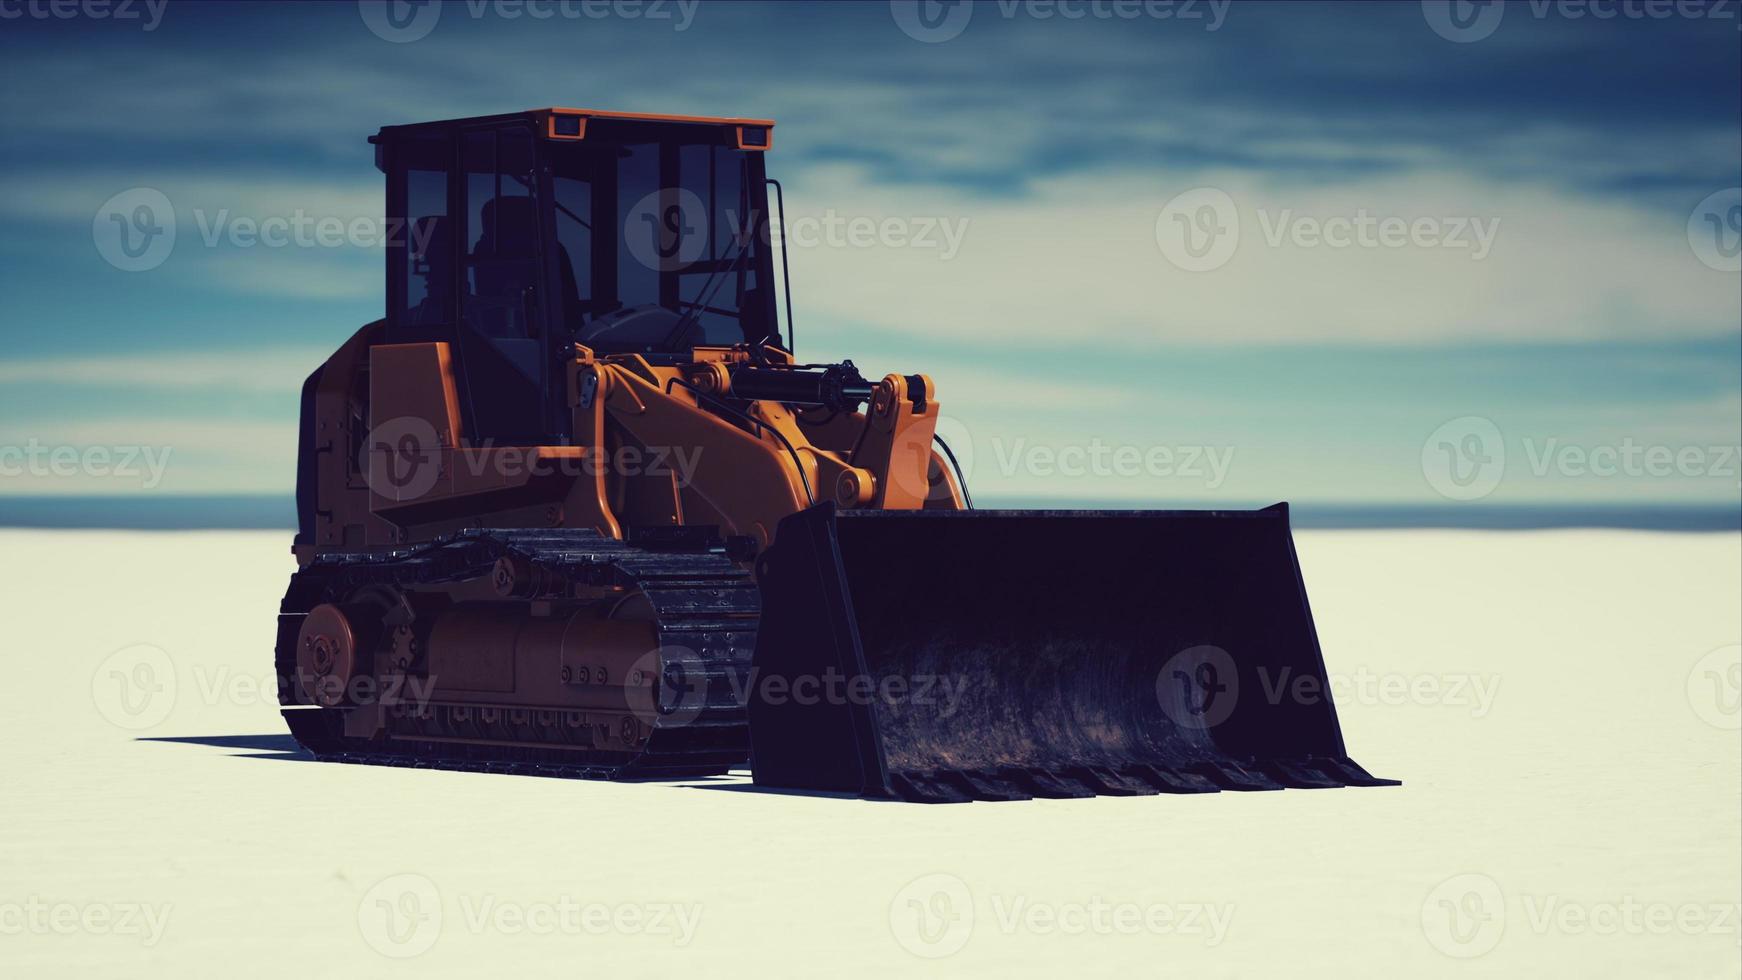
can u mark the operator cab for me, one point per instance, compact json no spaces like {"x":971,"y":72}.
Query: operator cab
{"x":522,"y":235}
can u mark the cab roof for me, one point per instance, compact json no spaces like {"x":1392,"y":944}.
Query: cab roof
{"x":559,"y":123}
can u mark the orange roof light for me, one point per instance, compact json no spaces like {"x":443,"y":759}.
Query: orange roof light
{"x":571,"y":124}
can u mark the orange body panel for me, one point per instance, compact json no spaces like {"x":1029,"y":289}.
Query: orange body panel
{"x":649,"y":449}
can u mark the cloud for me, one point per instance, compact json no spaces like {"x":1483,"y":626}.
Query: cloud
{"x":1079,"y":261}
{"x":292,"y":237}
{"x":1296,"y":87}
{"x":1714,"y":421}
{"x":126,"y":454}
{"x":1058,"y":319}
{"x":266,"y":370}
{"x":203,"y":200}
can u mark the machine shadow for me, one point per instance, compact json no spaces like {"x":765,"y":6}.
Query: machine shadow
{"x":252,"y":746}
{"x":285,"y":748}
{"x":775,"y":791}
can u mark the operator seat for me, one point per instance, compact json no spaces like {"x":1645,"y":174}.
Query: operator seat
{"x":505,"y":266}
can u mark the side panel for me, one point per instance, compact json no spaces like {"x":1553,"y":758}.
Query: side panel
{"x":332,"y":498}
{"x":307,"y":470}
{"x":809,"y":630}
{"x":384,"y":458}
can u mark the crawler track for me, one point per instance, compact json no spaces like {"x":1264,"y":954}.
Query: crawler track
{"x":703,"y":604}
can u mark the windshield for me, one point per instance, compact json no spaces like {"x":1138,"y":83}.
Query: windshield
{"x":662,"y":245}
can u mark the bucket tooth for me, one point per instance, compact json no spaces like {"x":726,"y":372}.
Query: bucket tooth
{"x":1345,"y":769}
{"x":1049,"y":785}
{"x":921,"y":787}
{"x":986,"y":786}
{"x":1171,"y":780}
{"x":1109,"y":783}
{"x":1302,"y":775}
{"x":1228,"y":774}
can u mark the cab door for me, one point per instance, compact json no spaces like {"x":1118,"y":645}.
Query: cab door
{"x":472,"y":274}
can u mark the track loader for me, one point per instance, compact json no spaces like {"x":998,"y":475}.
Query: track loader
{"x":575,"y":507}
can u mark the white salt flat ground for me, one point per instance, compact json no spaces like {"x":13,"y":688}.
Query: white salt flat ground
{"x":1572,"y":804}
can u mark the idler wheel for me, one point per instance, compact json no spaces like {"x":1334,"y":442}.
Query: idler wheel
{"x":328,"y":655}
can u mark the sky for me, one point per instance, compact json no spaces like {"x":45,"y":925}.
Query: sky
{"x":1151,"y":253}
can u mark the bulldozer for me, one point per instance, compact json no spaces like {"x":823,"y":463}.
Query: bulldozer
{"x":575,"y":507}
